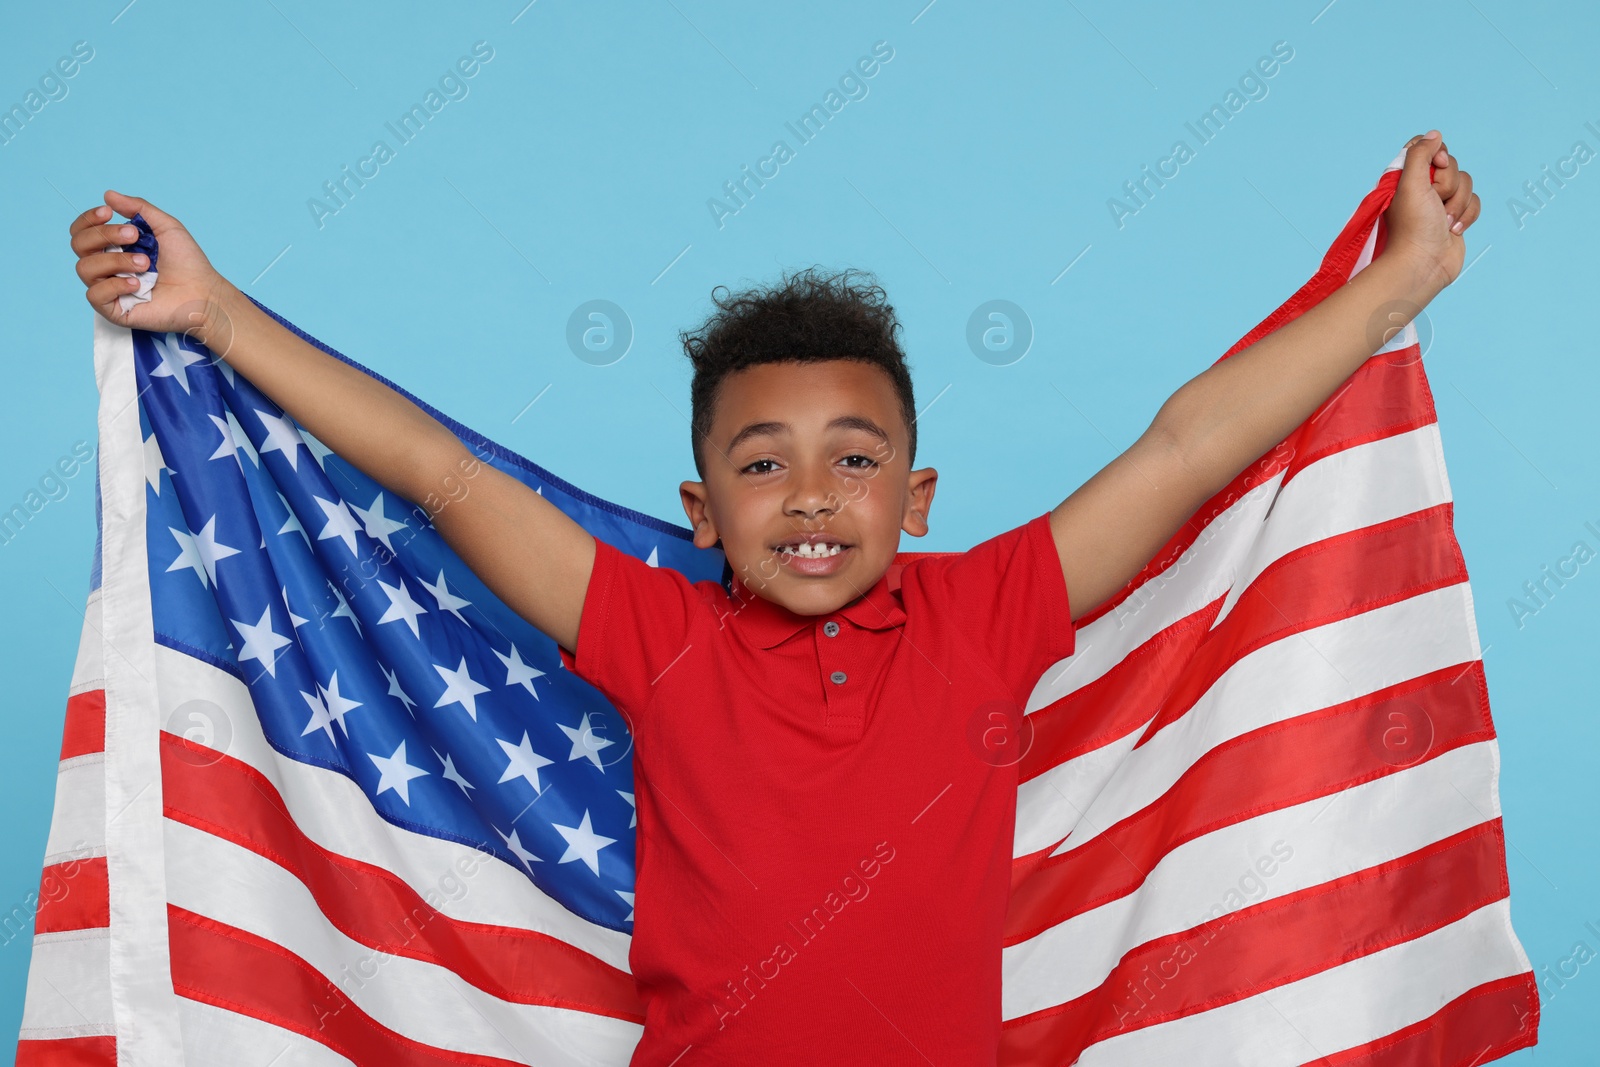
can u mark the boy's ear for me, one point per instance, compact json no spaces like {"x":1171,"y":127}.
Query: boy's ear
{"x":695,"y":507}
{"x":920,"y":485}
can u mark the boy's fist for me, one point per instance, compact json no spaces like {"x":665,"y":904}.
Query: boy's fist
{"x":1427,"y":216}
{"x":188,"y":291}
{"x":1454,"y":186}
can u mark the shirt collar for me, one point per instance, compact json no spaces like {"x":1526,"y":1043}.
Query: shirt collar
{"x":767,"y":624}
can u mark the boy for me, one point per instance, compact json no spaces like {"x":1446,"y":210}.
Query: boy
{"x":825,"y":790}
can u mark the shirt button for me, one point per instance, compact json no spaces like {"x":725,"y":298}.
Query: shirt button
{"x":830,"y":628}
{"x":837,"y":677}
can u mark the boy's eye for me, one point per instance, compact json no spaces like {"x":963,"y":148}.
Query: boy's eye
{"x":866,"y":461}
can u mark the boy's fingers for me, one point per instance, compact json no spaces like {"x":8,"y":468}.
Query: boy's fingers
{"x":94,"y":239}
{"x":104,"y":264}
{"x":87,"y":219}
{"x":1446,"y":175}
{"x":104,"y":293}
{"x":1461,"y":197}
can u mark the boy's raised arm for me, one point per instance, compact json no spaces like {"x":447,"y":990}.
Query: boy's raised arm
{"x":1222,"y":420}
{"x":524,"y":548}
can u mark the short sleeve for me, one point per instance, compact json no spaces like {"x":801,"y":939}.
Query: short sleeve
{"x":635,"y":624}
{"x":1008,"y":596}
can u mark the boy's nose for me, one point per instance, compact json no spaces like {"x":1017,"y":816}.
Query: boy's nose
{"x":813,"y":492}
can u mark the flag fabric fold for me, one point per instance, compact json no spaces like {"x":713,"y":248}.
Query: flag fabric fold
{"x":324,"y":799}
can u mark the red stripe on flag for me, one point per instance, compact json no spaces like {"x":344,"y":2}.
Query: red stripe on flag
{"x":232,"y":800}
{"x":85,"y":729}
{"x":1482,"y":1024}
{"x":234,"y":969}
{"x":73,"y":896}
{"x":68,"y":1052}
{"x":1318,"y":584}
{"x":1271,"y":944}
{"x":1275,"y":767}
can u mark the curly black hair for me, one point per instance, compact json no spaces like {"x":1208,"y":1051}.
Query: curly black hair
{"x":807,"y":317}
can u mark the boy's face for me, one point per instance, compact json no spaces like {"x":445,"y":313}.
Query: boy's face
{"x":808,"y":450}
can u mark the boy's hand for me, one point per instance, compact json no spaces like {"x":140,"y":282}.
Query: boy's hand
{"x":187,"y":290}
{"x":1426,"y":219}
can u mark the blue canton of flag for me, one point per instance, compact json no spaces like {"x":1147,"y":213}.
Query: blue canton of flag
{"x":369,"y":648}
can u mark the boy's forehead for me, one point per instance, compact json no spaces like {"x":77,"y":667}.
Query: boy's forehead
{"x":801,"y":394}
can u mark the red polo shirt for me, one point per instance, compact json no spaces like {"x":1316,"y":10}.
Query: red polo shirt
{"x":826,"y":803}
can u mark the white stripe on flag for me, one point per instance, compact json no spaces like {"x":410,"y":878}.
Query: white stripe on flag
{"x":88,"y":669}
{"x":68,"y":994}
{"x":1301,"y":673}
{"x":1333,"y":1010}
{"x":216,"y":1035}
{"x":1331,"y":837}
{"x":78,"y":824}
{"x":1349,"y":490}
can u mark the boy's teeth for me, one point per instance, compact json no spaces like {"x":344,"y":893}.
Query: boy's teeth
{"x":813,"y":551}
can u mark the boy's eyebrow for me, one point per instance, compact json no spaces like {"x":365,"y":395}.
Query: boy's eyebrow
{"x":843,"y":422}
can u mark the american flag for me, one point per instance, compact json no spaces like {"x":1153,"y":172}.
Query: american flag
{"x":324,"y":799}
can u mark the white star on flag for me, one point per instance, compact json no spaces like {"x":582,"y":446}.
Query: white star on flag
{"x":320,"y":719}
{"x":294,"y":620}
{"x":343,"y":608}
{"x":281,"y":437}
{"x":338,"y":706}
{"x":395,"y":773}
{"x":524,"y":763}
{"x":402,"y":607}
{"x":631,"y":803}
{"x":317,"y":448}
{"x":516,"y":848}
{"x":460,"y":688}
{"x":627,"y":898}
{"x":583,"y":843}
{"x":447,"y":600}
{"x":261,"y":642}
{"x":378,"y":525}
{"x":518,"y":672}
{"x":585,"y":742}
{"x":453,"y":775}
{"x":227,"y":448}
{"x":398,"y":693}
{"x":201,"y":551}
{"x":154,"y":463}
{"x":234,"y":441}
{"x":242,"y":439}
{"x":292,"y":523}
{"x":341,"y":523}
{"x":175,"y":360}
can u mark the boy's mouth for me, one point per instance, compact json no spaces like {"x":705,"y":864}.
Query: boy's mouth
{"x":812,"y":553}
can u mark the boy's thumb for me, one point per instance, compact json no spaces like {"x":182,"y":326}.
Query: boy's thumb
{"x":129,"y":206}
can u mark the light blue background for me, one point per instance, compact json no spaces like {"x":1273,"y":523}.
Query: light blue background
{"x":978,"y":167}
